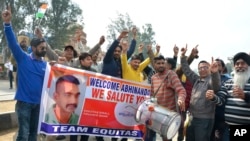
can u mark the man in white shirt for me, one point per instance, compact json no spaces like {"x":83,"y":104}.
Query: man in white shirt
{"x":9,"y":66}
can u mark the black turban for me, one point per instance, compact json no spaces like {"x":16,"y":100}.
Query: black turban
{"x":242,"y":55}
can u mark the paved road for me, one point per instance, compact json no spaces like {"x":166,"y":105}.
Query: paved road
{"x":5,"y":92}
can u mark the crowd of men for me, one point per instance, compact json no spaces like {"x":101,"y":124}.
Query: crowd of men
{"x":214,"y":99}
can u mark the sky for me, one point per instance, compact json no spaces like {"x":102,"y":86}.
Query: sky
{"x":221,"y":28}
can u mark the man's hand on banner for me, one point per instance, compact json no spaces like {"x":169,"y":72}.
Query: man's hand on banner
{"x":61,"y":60}
{"x":52,"y":63}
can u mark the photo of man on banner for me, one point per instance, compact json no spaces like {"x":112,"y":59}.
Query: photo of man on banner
{"x":66,"y":100}
{"x":77,"y":102}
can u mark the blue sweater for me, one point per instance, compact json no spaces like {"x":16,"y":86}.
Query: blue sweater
{"x":30,"y":71}
{"x":112,"y":66}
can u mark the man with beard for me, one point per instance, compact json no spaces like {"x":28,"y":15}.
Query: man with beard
{"x":31,"y":74}
{"x":66,"y":97}
{"x":235,"y":94}
{"x":112,"y":59}
{"x":69,"y":55}
{"x":201,"y":108}
{"x":166,"y":86}
{"x":133,"y":70}
{"x":23,"y":42}
{"x":96,"y":65}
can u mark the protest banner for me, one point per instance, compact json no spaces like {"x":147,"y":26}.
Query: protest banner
{"x":106,"y":106}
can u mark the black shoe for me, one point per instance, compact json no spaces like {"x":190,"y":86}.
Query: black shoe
{"x":60,"y":137}
{"x":114,"y":139}
{"x":98,"y":138}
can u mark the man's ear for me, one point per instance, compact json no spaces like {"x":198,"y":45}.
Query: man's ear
{"x":55,"y":95}
{"x":33,"y":48}
{"x":81,"y":61}
{"x":130,"y":62}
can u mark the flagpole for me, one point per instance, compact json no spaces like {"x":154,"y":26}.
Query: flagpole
{"x":39,"y":22}
{"x":41,"y":11}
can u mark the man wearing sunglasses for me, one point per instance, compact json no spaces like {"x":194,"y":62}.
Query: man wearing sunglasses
{"x":31,"y":71}
{"x":202,"y":109}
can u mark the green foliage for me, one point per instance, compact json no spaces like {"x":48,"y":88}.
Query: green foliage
{"x":62,"y":14}
{"x":59,"y":15}
{"x":122,"y":22}
{"x":21,"y":10}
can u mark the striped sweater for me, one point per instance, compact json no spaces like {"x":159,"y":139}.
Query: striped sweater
{"x":237,"y":111}
{"x":168,"y":90}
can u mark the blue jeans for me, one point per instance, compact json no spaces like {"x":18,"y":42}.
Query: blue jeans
{"x":28,"y":116}
{"x":226,"y":135}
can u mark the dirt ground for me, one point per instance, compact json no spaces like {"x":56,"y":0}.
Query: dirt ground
{"x":7,"y":135}
{"x":7,"y":106}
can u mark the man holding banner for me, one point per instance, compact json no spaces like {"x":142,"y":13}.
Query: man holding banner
{"x":28,"y":94}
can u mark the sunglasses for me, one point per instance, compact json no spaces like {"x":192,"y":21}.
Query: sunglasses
{"x":203,"y":68}
{"x":43,"y":48}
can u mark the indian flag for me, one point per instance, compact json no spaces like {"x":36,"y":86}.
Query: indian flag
{"x":41,"y":10}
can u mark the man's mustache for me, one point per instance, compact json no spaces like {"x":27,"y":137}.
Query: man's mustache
{"x":75,"y":105}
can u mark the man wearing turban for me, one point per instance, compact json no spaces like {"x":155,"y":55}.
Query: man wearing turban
{"x":23,"y":42}
{"x":235,"y":94}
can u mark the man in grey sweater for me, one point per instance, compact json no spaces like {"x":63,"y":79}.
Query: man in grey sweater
{"x":201,"y":108}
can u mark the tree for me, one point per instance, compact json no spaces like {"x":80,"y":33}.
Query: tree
{"x":62,"y":14}
{"x":58,"y":17}
{"x":21,"y":9}
{"x":124,"y":22}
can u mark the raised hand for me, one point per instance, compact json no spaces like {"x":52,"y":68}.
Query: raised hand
{"x":123,"y":34}
{"x":176,"y":50}
{"x":134,"y":31}
{"x":102,"y":40}
{"x":78,"y":34}
{"x":183,"y":50}
{"x":6,"y":15}
{"x":140,"y":48}
{"x":195,"y":52}
{"x":149,"y":47}
{"x":158,"y":47}
{"x":124,"y":44}
{"x":38,"y":32}
{"x":214,"y":66}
